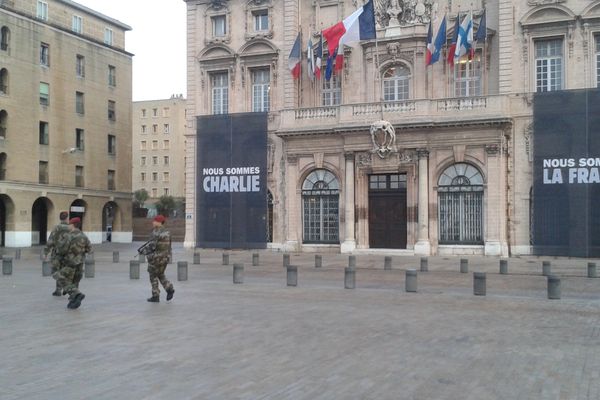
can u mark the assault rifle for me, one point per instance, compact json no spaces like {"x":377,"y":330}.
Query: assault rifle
{"x":147,"y":247}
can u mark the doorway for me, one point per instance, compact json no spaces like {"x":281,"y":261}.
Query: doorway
{"x":387,"y":211}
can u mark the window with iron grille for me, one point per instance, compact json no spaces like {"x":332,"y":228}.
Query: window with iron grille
{"x":112,"y":145}
{"x":460,"y":205}
{"x":79,"y":139}
{"x":112,"y":114}
{"x":80,"y":65}
{"x":44,"y":133}
{"x":320,"y":206}
{"x":548,"y":65}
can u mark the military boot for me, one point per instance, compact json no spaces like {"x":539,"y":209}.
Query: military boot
{"x":75,"y":300}
{"x":154,"y":299}
{"x":57,"y":292}
{"x":170,"y":294}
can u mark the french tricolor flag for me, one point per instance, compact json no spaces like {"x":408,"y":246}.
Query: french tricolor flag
{"x":295,"y":58}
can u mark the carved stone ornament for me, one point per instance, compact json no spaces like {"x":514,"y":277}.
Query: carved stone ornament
{"x":542,"y":2}
{"x":365,"y":159}
{"x":404,"y":12}
{"x":383,"y":136}
{"x":406,"y":156}
{"x":218,"y":4}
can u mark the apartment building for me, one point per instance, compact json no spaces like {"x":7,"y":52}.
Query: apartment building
{"x":65,"y":121}
{"x":458,"y":177}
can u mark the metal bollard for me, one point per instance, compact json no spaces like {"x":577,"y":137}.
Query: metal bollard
{"x":292,"y":275}
{"x":46,"y":268}
{"x":410,"y":283}
{"x":6,"y":266}
{"x":238,"y":273}
{"x":464,"y":265}
{"x":142,"y":258}
{"x":546,"y":268}
{"x":318,"y":261}
{"x":196,"y":258}
{"x":115,"y":256}
{"x":182,"y":270}
{"x":553,"y":287}
{"x":17,"y":254}
{"x":286,"y":260}
{"x":255,"y":259}
{"x":503,"y":267}
{"x":592,"y":270}
{"x":349,"y":278}
{"x":424,"y":264}
{"x":90,"y":268}
{"x":387,"y":263}
{"x":352,"y":262}
{"x":479,"y":283}
{"x":225,"y":259}
{"x":134,"y":269}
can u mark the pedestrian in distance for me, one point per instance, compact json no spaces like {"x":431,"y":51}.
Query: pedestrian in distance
{"x":56,"y":258}
{"x":77,"y":245}
{"x":158,"y":252}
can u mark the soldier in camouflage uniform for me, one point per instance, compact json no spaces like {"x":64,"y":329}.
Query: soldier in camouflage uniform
{"x":158,"y":252}
{"x":77,"y":245}
{"x":56,"y":236}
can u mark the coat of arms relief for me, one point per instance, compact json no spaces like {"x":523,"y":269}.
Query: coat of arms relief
{"x":402,"y":12}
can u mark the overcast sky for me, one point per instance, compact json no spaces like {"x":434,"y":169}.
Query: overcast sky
{"x":157,"y":39}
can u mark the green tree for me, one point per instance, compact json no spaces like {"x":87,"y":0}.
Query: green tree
{"x":139,"y":197}
{"x":165,"y":205}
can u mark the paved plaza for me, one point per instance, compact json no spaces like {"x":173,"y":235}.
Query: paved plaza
{"x":264,"y":340}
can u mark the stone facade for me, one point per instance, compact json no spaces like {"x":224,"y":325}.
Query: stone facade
{"x":65,"y":121}
{"x":158,"y":146}
{"x":475,"y":115}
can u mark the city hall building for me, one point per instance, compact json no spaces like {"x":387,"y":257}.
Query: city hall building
{"x":390,"y":154}
{"x":65,"y":121}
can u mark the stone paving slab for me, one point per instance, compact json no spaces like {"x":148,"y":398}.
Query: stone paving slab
{"x":263,"y":340}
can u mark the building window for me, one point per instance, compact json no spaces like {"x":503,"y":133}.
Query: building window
{"x":45,"y":54}
{"x":166,"y":160}
{"x":166,"y":112}
{"x":77,"y":25}
{"x":4,"y":38}
{"x":143,"y":113}
{"x":44,"y":94}
{"x":166,"y":144}
{"x":165,"y":191}
{"x":112,"y":114}
{"x":332,"y":91}
{"x":43,"y":172}
{"x":154,"y":128}
{"x":467,"y":76}
{"x":218,"y":26}
{"x":220,"y":92}
{"x":42,"y":10}
{"x":154,"y":160}
{"x":143,"y":128}
{"x":112,"y":145}
{"x":111,"y":179}
{"x":548,"y":65}
{"x":143,"y":161}
{"x":44,"y":134}
{"x":165,"y":177}
{"x":460,"y":205}
{"x":155,"y":177}
{"x":155,"y":112}
{"x":108,"y":36}
{"x":261,"y":86}
{"x":396,"y":83}
{"x":3,"y":81}
{"x":261,"y":20}
{"x":112,"y":76}
{"x":79,"y":139}
{"x":79,"y":179}
{"x":143,"y":177}
{"x":79,"y":103}
{"x":3,"y":123}
{"x":166,"y":128}
{"x":80,"y":65}
{"x":143,"y":145}
{"x":154,"y":144}
{"x":154,"y":192}
{"x":320,"y":205}
{"x":2,"y":166}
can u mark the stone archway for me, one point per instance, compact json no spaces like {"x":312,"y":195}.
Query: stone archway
{"x":42,"y":206}
{"x":111,"y":220}
{"x":78,"y":208}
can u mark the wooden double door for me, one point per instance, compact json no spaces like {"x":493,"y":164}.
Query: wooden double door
{"x":387,"y":211}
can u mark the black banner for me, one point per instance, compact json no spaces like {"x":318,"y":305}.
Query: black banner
{"x":231,"y":181}
{"x":566,"y":189}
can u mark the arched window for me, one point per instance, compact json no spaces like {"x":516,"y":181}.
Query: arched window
{"x":3,"y":123}
{"x":4,"y":38}
{"x":3,"y":81}
{"x":2,"y":166}
{"x":460,"y":205}
{"x":396,"y":83}
{"x":320,"y":203}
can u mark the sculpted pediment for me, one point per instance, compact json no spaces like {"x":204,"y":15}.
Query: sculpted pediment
{"x":593,"y":11}
{"x":548,"y":14}
{"x":256,"y":48}
{"x":213,"y":52}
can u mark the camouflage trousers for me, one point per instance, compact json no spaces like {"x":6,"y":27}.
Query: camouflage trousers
{"x":56,"y":262}
{"x":68,"y":278}
{"x":157,"y":273}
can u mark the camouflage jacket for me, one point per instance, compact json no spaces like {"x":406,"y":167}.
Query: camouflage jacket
{"x":78,"y":246}
{"x":56,"y":237}
{"x":161,"y":245}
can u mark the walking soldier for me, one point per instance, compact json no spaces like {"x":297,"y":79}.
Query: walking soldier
{"x":56,"y":258}
{"x":158,"y":251}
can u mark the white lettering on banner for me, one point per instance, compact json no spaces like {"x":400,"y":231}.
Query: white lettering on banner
{"x":230,"y":180}
{"x":553,"y":173}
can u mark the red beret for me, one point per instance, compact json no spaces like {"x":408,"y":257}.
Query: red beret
{"x":75,"y":220}
{"x":160,"y":218}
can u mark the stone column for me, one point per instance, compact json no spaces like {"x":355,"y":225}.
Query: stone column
{"x":349,"y":243}
{"x":423,"y":245}
{"x":495,"y":206}
{"x":292,"y":206}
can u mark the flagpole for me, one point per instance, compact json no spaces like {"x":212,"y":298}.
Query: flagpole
{"x":377,"y":76}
